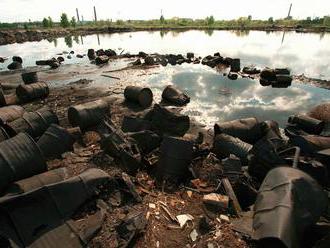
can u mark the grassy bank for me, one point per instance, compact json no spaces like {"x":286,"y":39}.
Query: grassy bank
{"x":317,"y":24}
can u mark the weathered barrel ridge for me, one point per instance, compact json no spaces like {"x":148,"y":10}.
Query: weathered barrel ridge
{"x":88,"y":114}
{"x":140,"y":95}
{"x":10,"y":113}
{"x":20,"y":157}
{"x":33,"y":91}
{"x":37,"y":181}
{"x":33,"y":123}
{"x":55,"y":141}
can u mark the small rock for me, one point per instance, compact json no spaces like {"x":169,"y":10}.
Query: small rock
{"x":193,"y":235}
{"x":216,"y":200}
{"x":224,"y":218}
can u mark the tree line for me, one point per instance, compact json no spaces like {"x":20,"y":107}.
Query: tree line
{"x":47,"y":22}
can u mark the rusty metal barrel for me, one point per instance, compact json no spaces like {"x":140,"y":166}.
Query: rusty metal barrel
{"x":308,"y":124}
{"x":33,"y":123}
{"x":175,"y":157}
{"x":224,"y":145}
{"x":55,"y":141}
{"x":20,"y":157}
{"x":30,"y":77}
{"x":37,"y":181}
{"x":248,"y":129}
{"x":88,"y":114}
{"x":33,"y":91}
{"x":140,"y":95}
{"x":10,"y":113}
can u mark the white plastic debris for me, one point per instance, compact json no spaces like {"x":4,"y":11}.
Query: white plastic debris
{"x":183,"y":219}
{"x":194,"y":235}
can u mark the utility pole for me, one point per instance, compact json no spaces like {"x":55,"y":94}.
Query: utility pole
{"x":95,"y":16}
{"x":289,"y":11}
{"x":77,"y":11}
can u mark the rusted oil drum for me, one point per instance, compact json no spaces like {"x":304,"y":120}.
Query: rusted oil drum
{"x":20,"y":157}
{"x":55,"y":141}
{"x":12,"y":99}
{"x":140,"y":95}
{"x":10,"y":113}
{"x":308,"y":124}
{"x":135,"y":124}
{"x":33,"y":91}
{"x":248,"y":130}
{"x":33,"y":123}
{"x":88,"y":114}
{"x":37,"y":181}
{"x":224,"y":145}
{"x":30,"y":77}
{"x":171,"y":94}
{"x":175,"y":157}
{"x":235,"y":65}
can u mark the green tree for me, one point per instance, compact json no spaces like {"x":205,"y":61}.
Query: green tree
{"x":65,"y":21}
{"x":45,"y":23}
{"x":73,"y":22}
{"x":250,"y":17}
{"x":326,"y":21}
{"x":50,"y":22}
{"x":162,"y":19}
{"x":270,"y":20}
{"x":210,"y":20}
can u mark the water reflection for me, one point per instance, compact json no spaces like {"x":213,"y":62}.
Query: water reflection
{"x":247,"y":98}
{"x":68,"y":41}
{"x":241,"y":33}
{"x":76,"y":39}
{"x":304,"y":53}
{"x":209,"y":32}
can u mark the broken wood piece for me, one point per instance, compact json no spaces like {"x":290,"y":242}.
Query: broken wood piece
{"x":232,"y":195}
{"x":164,"y":207}
{"x":108,"y":76}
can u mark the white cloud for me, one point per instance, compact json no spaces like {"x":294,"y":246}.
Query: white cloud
{"x":22,"y":10}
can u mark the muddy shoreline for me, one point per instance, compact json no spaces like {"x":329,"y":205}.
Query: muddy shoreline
{"x":20,"y":36}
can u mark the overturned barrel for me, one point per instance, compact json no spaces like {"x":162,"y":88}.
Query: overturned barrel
{"x":140,"y":95}
{"x":224,"y":145}
{"x":173,"y":95}
{"x":30,"y":77}
{"x":20,"y":157}
{"x":175,"y":157}
{"x":33,"y":123}
{"x":37,"y":181}
{"x":307,"y":124}
{"x":10,"y":113}
{"x":33,"y":91}
{"x":288,"y":203}
{"x":135,"y":124}
{"x":248,"y":130}
{"x":88,"y":114}
{"x":55,"y":141}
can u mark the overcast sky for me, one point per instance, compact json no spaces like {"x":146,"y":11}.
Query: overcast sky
{"x":23,"y":10}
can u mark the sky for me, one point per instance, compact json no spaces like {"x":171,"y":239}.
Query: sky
{"x":23,"y":10}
